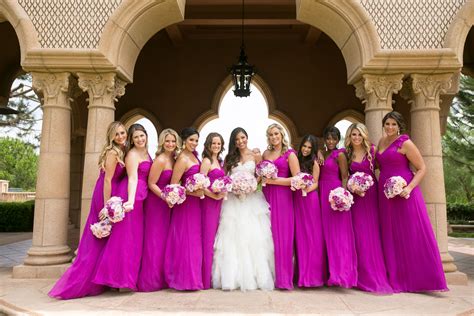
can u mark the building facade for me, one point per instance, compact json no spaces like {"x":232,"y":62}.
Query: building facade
{"x":318,"y":61}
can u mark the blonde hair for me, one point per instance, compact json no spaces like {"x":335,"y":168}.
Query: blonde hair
{"x":364,"y":132}
{"x":161,"y":141}
{"x":284,"y":142}
{"x":110,"y":144}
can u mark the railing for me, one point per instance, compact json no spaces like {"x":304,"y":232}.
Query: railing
{"x":17,"y":196}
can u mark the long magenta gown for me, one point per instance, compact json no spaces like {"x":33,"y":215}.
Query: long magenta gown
{"x":309,"y":238}
{"x":337,"y":227}
{"x":120,"y":261}
{"x":411,"y":252}
{"x":211,"y":211}
{"x":157,"y":216}
{"x":183,"y":259}
{"x":282,"y":216}
{"x":372,"y":274}
{"x":77,"y":280}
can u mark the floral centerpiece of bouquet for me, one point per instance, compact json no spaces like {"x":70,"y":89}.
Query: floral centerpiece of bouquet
{"x":197,"y":181}
{"x":174,"y":194}
{"x":360,"y":181}
{"x":301,"y":181}
{"x":394,"y":186}
{"x":222,"y":185}
{"x":340,"y":199}
{"x":267,"y":170}
{"x":243,"y":183}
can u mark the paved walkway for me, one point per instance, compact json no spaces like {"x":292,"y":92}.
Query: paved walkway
{"x":29,"y":296}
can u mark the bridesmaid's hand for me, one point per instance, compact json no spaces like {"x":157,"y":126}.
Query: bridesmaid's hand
{"x":103,"y":214}
{"x":320,"y":158}
{"x":406,"y":192}
{"x":256,"y":151}
{"x":128,"y":206}
{"x":359,"y":193}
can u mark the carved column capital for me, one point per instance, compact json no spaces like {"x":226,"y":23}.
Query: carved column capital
{"x":54,"y":87}
{"x":103,"y":89}
{"x":376,"y":90}
{"x":426,"y":90}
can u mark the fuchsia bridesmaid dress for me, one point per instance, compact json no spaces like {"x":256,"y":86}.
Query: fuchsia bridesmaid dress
{"x":211,"y":211}
{"x":77,"y":280}
{"x":309,"y":238}
{"x":183,"y":256}
{"x":120,"y":261}
{"x":337,"y":226}
{"x":372,"y":275}
{"x":157,"y":220}
{"x":282,"y":215}
{"x":411,"y":252}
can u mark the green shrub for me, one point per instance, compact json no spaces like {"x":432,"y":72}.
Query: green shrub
{"x":460,"y":212}
{"x":16,"y":216}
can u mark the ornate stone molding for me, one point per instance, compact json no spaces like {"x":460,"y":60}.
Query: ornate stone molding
{"x":54,"y":87}
{"x":103,"y":89}
{"x":426,"y":90}
{"x":376,"y":91}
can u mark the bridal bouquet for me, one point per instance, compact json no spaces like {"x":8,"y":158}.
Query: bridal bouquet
{"x":198,"y":181}
{"x":113,"y":210}
{"x":360,"y":181}
{"x":101,"y":229}
{"x":300,"y":181}
{"x":340,"y":199}
{"x":222,"y":185}
{"x":267,"y":170}
{"x":394,"y":186}
{"x":174,"y":194}
{"x":243,"y":183}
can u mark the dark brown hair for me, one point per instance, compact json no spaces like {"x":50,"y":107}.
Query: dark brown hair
{"x":233,"y":156}
{"x":397,"y":117}
{"x":207,"y":152}
{"x":132,"y":129}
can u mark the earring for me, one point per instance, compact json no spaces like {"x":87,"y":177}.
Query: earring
{"x":398,"y":132}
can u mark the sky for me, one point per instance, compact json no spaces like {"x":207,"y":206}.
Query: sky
{"x":251,"y":113}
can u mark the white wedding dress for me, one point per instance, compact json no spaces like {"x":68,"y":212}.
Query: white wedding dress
{"x":243,"y":249}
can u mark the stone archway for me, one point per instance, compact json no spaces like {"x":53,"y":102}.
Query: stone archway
{"x":458,"y":30}
{"x":262,"y":86}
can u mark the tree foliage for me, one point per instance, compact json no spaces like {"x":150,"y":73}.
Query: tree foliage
{"x":458,"y":145}
{"x":18,"y":163}
{"x":22,"y":98}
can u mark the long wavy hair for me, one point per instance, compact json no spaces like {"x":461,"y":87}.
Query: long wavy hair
{"x":284,"y":141}
{"x":207,"y":152}
{"x":364,"y":132}
{"x":233,"y":156}
{"x":307,"y":162}
{"x":398,"y":118}
{"x":110,"y":144}
{"x":132,"y":129}
{"x":161,"y":141}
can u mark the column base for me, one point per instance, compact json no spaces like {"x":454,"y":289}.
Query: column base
{"x":48,"y":255}
{"x":456,"y":278}
{"x":39,"y":272}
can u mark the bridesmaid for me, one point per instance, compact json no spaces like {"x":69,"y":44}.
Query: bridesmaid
{"x":77,"y":280}
{"x":411,"y":252}
{"x":183,"y":256}
{"x":280,"y":197}
{"x":337,"y":226}
{"x":120,"y":262}
{"x":211,"y":206}
{"x":310,"y":247}
{"x":372,"y":275}
{"x":157,"y":214}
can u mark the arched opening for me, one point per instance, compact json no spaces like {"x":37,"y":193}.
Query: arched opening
{"x":250,"y":113}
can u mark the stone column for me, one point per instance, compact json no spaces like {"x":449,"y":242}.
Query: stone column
{"x":49,"y":252}
{"x":103,"y":90}
{"x":426,"y":134}
{"x":376,"y":92}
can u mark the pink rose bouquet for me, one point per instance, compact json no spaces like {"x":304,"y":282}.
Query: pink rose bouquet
{"x":394,"y":186}
{"x":300,"y":181}
{"x":101,"y":229}
{"x":243,"y":183}
{"x":197,"y":181}
{"x":113,"y":210}
{"x":340,"y":199}
{"x":267,"y":170}
{"x":222,"y":185}
{"x":174,"y":194}
{"x":360,"y":181}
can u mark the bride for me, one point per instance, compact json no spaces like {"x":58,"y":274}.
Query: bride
{"x":243,"y":249}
